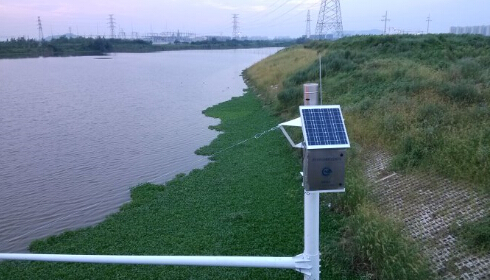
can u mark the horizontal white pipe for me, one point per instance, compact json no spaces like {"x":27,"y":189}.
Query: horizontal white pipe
{"x":232,"y":261}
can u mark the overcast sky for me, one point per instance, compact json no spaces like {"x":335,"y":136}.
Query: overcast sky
{"x":214,"y":17}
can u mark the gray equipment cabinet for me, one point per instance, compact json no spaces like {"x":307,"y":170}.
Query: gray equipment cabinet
{"x":324,"y":146}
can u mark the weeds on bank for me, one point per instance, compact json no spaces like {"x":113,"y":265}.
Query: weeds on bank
{"x":372,"y":244}
{"x":425,"y":99}
{"x":475,"y":235}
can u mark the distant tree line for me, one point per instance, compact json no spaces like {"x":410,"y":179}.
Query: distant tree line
{"x":80,"y":46}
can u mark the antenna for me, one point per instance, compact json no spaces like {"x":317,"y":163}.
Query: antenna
{"x":321,"y":90}
{"x":428,"y":22}
{"x":112,"y":25}
{"x":385,"y":19}
{"x":40,"y":29}
{"x":329,"y":18}
{"x":308,"y":29}
{"x":235,"y":26}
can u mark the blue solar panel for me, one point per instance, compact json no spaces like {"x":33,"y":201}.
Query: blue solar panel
{"x":323,"y":127}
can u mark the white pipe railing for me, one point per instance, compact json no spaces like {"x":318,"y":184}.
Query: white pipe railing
{"x":312,"y":234}
{"x":228,"y":261}
{"x":307,"y":263}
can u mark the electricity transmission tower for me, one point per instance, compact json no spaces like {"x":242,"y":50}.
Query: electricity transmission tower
{"x":329,"y":18}
{"x":40,"y":29}
{"x":385,"y":19}
{"x":112,"y":25}
{"x":122,"y":34}
{"x":308,"y":29}
{"x":428,"y":22}
{"x":235,"y":26}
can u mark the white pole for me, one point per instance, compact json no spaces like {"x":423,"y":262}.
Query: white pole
{"x":234,"y":261}
{"x":312,"y":233}
{"x":321,"y":91}
{"x":312,"y":224}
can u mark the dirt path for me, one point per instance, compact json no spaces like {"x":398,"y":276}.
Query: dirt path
{"x":428,"y":205}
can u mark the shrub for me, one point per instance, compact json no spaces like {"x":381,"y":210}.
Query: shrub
{"x":476,"y":235}
{"x":290,"y":96}
{"x":462,"y":92}
{"x":469,"y":68}
{"x":378,"y":244}
{"x":431,"y":114}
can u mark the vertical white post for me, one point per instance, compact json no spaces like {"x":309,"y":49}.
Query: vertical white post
{"x":312,"y":217}
{"x":312,"y":233}
{"x":321,"y":91}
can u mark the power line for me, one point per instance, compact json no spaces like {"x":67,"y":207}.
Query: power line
{"x":272,"y":22}
{"x":280,"y":6}
{"x":293,"y":8}
{"x":259,"y":14}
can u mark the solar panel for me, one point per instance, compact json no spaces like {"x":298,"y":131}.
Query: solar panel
{"x":323,"y":127}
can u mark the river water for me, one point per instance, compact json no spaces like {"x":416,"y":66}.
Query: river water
{"x":77,"y":133}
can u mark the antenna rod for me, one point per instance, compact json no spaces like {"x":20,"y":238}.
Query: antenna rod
{"x":321,"y":91}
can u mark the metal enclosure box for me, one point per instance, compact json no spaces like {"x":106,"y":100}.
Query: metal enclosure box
{"x":324,"y":170}
{"x":310,"y":94}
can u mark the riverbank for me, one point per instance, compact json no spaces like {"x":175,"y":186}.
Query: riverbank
{"x":79,"y":46}
{"x":417,"y":108}
{"x":248,"y":201}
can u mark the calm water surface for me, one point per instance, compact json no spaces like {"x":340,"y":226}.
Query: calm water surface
{"x":77,"y":133}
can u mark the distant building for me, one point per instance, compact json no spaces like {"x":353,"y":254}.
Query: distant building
{"x":479,"y":30}
{"x":282,"y":38}
{"x":258,"y":38}
{"x":485,"y":30}
{"x":170,"y":37}
{"x":322,"y":37}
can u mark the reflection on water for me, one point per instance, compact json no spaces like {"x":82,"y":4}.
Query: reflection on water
{"x":77,"y":133}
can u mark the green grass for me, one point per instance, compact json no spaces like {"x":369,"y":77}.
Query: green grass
{"x":267,"y":76}
{"x":475,"y":235}
{"x":423,"y":98}
{"x":249,"y":201}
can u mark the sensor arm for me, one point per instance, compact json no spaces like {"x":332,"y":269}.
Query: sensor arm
{"x":296,"y":122}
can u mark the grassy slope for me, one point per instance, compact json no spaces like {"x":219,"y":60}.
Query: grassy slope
{"x":423,"y":98}
{"x":249,"y":201}
{"x":267,"y":76}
